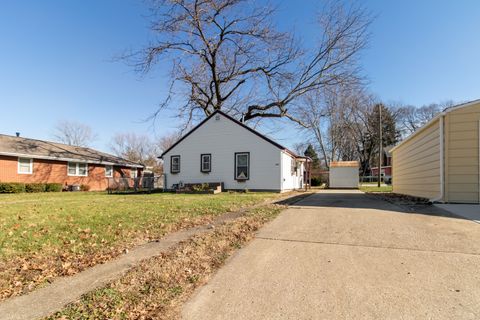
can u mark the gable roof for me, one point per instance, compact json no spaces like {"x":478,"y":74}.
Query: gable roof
{"x":40,"y":149}
{"x":238,"y":123}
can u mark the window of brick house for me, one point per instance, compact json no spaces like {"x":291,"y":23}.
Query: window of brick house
{"x":25,"y":165}
{"x":78,"y":169}
{"x":109,"y":171}
{"x":133,"y":173}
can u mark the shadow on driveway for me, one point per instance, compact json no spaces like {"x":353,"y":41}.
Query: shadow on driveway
{"x":355,"y":199}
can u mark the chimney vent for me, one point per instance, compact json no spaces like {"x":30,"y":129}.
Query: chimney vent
{"x":17,"y":134}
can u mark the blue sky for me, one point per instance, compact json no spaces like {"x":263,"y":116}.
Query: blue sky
{"x":57,"y":61}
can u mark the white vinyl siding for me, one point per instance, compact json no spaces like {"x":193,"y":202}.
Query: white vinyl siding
{"x":292,"y":172}
{"x":78,"y":169}
{"x":25,"y":166}
{"x":416,"y":164}
{"x":223,"y":138}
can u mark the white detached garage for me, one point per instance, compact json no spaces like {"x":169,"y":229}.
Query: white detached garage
{"x":344,"y":174}
{"x":222,"y":149}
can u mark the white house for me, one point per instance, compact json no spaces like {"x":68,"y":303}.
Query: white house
{"x":222,"y":149}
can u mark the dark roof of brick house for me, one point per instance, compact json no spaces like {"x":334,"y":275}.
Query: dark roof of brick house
{"x":40,"y":149}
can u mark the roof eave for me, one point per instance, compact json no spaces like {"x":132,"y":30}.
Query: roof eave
{"x":34,"y":156}
{"x":233,"y":120}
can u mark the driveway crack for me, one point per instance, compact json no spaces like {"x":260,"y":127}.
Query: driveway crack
{"x":368,"y":246}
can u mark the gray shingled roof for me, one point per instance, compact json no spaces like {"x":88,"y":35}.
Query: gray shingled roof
{"x":39,"y":149}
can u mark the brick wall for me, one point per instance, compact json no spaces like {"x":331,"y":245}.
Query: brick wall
{"x":51,"y":171}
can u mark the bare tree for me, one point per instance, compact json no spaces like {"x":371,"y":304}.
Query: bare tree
{"x":410,"y":118}
{"x":133,"y":147}
{"x":227,"y":54}
{"x":74,"y":133}
{"x":336,"y":120}
{"x":339,"y":121}
{"x":167,"y":141}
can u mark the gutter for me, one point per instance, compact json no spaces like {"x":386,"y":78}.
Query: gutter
{"x":440,"y":198}
{"x":24,"y":155}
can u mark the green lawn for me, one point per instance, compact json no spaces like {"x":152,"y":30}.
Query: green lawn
{"x":375,"y":188}
{"x":63,"y":233}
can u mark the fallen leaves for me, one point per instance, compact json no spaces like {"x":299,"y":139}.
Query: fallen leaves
{"x":158,"y":287}
{"x":61,"y":235}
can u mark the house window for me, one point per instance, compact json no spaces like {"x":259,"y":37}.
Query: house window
{"x":133,"y":173}
{"x":108,"y":171}
{"x":242,"y":166}
{"x":174,"y":164}
{"x":205,"y":162}
{"x":79,"y":169}
{"x":25,"y":166}
{"x":293,"y":167}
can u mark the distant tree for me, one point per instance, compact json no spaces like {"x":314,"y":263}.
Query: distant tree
{"x":312,"y":154}
{"x":137,"y":148}
{"x":229,"y":55}
{"x":410,"y":118}
{"x":390,"y":134}
{"x":300,"y":147}
{"x":167,"y":141}
{"x":74,"y":133}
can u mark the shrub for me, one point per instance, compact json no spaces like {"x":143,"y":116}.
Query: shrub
{"x":53,"y":187}
{"x":35,"y":187}
{"x":316,"y":182}
{"x":12,"y":187}
{"x":84,"y":187}
{"x":201,"y":187}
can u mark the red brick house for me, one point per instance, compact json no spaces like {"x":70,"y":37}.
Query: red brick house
{"x":386,"y":163}
{"x":36,"y":161}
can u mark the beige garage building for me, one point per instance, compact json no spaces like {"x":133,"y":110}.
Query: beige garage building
{"x":440,"y":161}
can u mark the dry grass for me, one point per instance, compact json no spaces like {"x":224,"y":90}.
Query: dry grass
{"x":44,"y":236}
{"x":158,"y":287}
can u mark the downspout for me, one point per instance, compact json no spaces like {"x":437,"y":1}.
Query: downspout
{"x":442,"y":159}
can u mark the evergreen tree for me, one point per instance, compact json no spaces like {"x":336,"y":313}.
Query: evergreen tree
{"x":312,"y":154}
{"x":390,"y":134}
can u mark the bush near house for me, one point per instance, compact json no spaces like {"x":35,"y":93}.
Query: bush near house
{"x":35,"y":187}
{"x":14,"y":187}
{"x":53,"y":187}
{"x":315,"y":181}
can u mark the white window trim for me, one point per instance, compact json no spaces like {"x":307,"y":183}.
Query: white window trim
{"x":77,"y":169}
{"x":133,"y":175}
{"x":111,"y":168}
{"x":237,"y":154}
{"x":30,"y":171}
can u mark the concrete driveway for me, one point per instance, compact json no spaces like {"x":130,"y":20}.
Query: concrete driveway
{"x":345,"y":255}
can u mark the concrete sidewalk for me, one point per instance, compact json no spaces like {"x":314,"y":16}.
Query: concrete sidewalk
{"x":345,"y":255}
{"x":467,"y":211}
